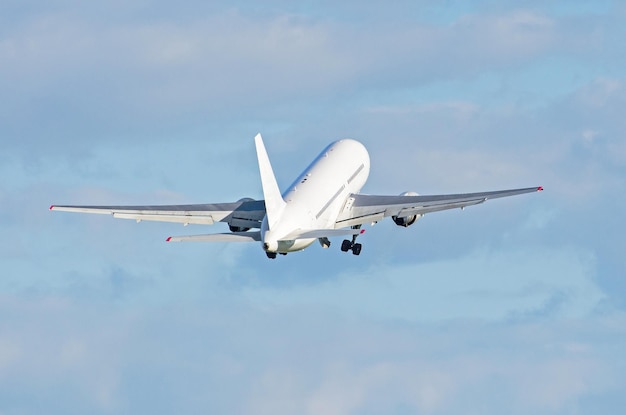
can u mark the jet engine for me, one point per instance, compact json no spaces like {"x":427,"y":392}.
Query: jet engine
{"x":406,"y":221}
{"x":235,"y":228}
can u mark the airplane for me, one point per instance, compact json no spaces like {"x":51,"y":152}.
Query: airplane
{"x":323,"y":202}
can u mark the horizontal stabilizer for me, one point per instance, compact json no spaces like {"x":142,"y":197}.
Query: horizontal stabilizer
{"x":219,"y":237}
{"x":322,"y":233}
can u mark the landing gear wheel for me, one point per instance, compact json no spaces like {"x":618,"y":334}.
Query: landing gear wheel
{"x":271,"y":255}
{"x":346,"y":245}
{"x":356,"y":249}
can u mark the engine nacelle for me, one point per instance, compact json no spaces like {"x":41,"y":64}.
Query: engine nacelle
{"x":406,"y":221}
{"x":235,"y":228}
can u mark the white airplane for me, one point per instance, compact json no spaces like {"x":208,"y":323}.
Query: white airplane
{"x":323,"y":202}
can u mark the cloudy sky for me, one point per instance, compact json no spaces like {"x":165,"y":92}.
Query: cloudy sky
{"x":517,"y":306}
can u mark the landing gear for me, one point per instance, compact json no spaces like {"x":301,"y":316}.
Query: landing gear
{"x":348,"y":245}
{"x":272,"y":255}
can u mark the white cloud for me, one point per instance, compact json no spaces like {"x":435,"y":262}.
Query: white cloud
{"x":510,"y":36}
{"x":601,"y":93}
{"x":243,"y":359}
{"x":487,"y":285}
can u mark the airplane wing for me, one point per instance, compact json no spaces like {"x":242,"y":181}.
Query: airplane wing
{"x":362,"y":209}
{"x":246,"y":213}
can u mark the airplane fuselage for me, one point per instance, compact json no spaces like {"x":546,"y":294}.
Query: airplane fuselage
{"x":318,"y":195}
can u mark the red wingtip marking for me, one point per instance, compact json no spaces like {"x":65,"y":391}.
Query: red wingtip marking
{"x":169,"y":238}
{"x":540,"y":188}
{"x":51,"y":207}
{"x":362,"y":232}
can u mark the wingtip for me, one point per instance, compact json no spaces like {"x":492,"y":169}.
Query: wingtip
{"x":169,"y":239}
{"x":540,"y":189}
{"x":51,"y":207}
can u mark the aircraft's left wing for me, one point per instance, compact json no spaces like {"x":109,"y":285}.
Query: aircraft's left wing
{"x":361,"y":209}
{"x":246,"y":213}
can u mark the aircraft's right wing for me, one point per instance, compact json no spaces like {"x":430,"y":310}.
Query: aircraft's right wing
{"x":246,"y":213}
{"x":361,"y":209}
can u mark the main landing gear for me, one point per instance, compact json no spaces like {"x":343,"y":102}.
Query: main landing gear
{"x":272,"y":255}
{"x":348,"y":245}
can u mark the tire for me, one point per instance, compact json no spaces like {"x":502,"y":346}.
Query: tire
{"x":346,"y":245}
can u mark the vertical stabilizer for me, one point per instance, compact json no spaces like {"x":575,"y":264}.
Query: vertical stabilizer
{"x":274,"y":203}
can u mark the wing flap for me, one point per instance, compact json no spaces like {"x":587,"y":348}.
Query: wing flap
{"x":185,"y":219}
{"x":421,"y":210}
{"x":358,"y":220}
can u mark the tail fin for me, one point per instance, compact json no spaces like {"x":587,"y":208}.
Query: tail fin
{"x":274,"y":203}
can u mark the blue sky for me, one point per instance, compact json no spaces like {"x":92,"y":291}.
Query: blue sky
{"x":516,"y":306}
